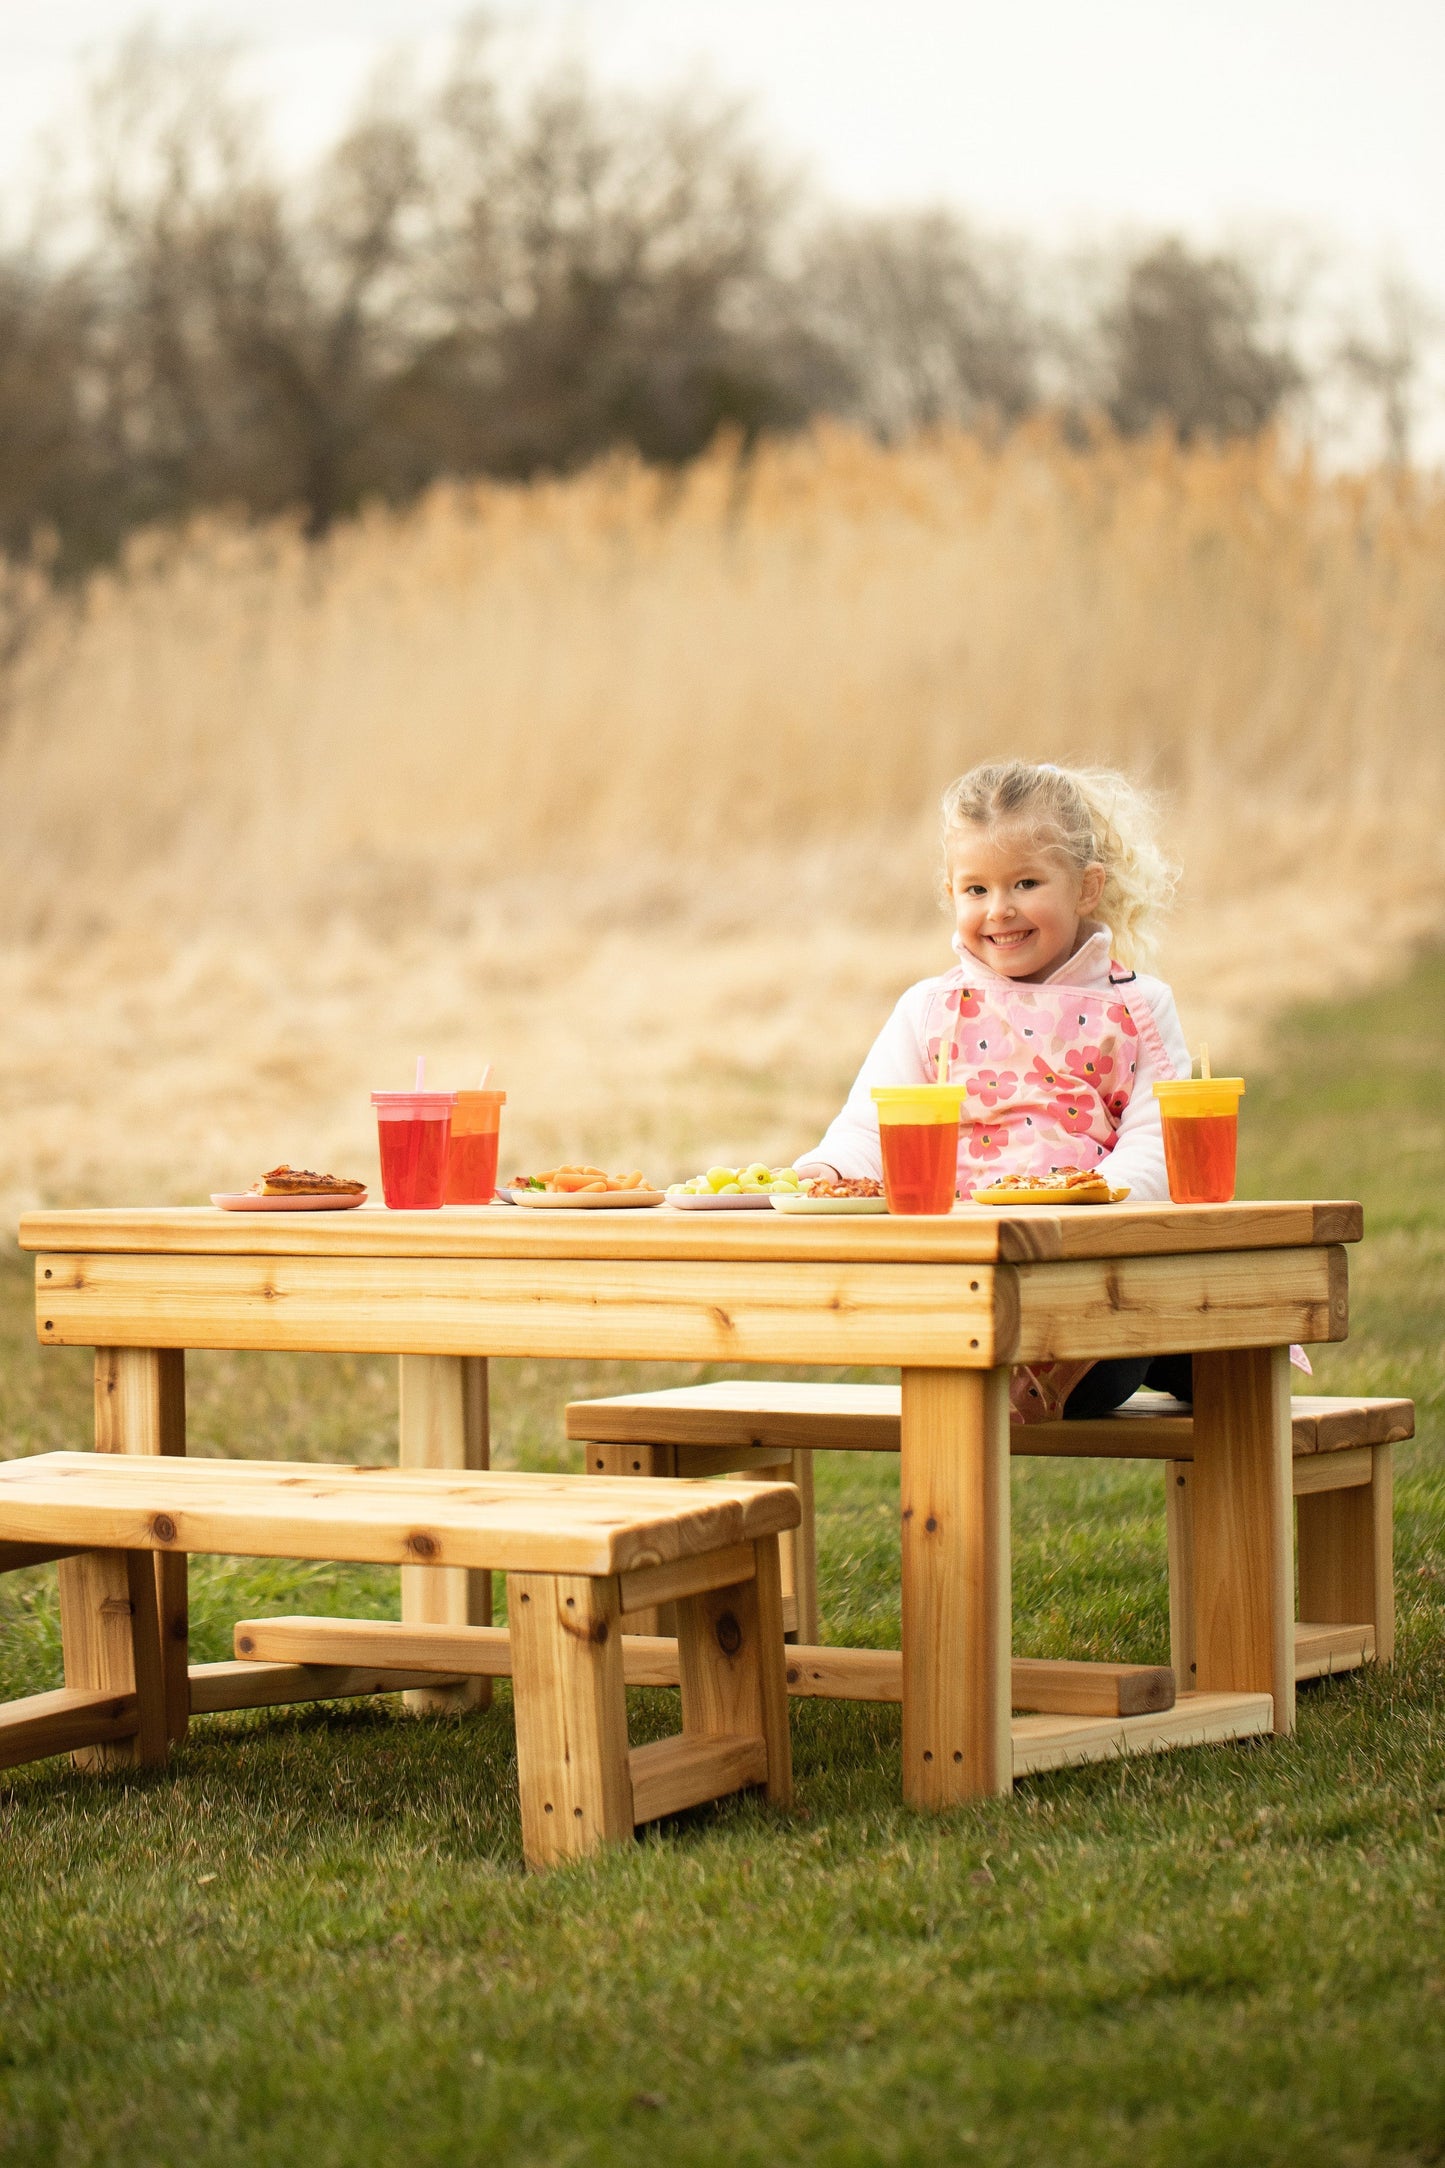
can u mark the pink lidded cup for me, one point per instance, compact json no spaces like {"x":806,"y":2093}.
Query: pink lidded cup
{"x":414,"y":1132}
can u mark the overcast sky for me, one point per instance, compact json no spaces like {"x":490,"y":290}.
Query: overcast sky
{"x":1062,"y":119}
{"x":1057,"y":116}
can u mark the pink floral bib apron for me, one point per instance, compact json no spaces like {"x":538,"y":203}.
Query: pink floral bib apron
{"x":1050,"y":1070}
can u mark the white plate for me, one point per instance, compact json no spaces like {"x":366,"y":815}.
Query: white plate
{"x":246,"y":1201}
{"x":596,"y":1200}
{"x":829,"y":1204}
{"x":747,"y":1200}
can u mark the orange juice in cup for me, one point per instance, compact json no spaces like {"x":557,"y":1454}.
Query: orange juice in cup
{"x":918,"y":1129}
{"x":472,"y":1153}
{"x":1200,"y":1117}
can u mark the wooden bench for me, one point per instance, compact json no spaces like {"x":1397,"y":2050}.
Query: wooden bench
{"x":579,"y":1555}
{"x":1342,"y":1487}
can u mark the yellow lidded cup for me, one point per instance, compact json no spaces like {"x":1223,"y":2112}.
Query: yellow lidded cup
{"x":918,"y":1130}
{"x":1200,"y":1119}
{"x":915,"y":1103}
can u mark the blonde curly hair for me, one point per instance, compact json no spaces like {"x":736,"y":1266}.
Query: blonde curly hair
{"x":1094,"y":817}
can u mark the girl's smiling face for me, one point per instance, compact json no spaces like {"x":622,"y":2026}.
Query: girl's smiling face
{"x":1018,"y":901}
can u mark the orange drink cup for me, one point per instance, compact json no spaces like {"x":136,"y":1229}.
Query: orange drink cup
{"x":1201,"y":1135}
{"x":918,"y":1127}
{"x":472,"y":1153}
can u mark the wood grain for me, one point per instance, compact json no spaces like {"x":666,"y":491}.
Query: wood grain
{"x":1156,"y":1305}
{"x":112,"y":1647}
{"x":571,"y":1715}
{"x":773,"y":1418}
{"x":1051,"y":1742}
{"x":217,"y":1689}
{"x":956,"y":1586}
{"x":442,"y":1422}
{"x":1322,"y":1650}
{"x":140,"y":1407}
{"x":1346,"y":1550}
{"x":683,"y":1311}
{"x":280,"y":1509}
{"x":68,"y":1721}
{"x":1244,"y":1527}
{"x":972,"y":1234}
{"x":671,"y":1775}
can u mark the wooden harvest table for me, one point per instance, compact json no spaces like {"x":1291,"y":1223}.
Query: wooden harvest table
{"x":952,"y":1302}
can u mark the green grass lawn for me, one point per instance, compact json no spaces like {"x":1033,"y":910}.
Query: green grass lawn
{"x":310,"y":1940}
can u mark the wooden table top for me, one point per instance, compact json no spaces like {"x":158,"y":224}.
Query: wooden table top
{"x":972,"y":1234}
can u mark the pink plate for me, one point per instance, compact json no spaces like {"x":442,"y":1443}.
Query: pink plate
{"x":246,"y":1201}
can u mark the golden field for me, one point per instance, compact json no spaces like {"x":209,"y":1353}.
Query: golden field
{"x":626,"y":782}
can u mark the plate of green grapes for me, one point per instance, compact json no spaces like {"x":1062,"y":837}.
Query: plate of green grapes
{"x":734,"y":1189}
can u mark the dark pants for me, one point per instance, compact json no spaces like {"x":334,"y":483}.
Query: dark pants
{"x":1109,"y":1384}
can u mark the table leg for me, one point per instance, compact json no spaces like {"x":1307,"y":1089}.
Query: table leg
{"x":957,"y":1596}
{"x":1244,"y":1527}
{"x":140,"y":1407}
{"x":443,"y":1424}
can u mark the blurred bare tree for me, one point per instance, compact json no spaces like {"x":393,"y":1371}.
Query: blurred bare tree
{"x":1185,"y":345}
{"x":480,"y":280}
{"x":923,"y":322}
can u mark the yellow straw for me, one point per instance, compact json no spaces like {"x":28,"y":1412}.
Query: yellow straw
{"x":1204,"y":1069}
{"x":945,"y":1048}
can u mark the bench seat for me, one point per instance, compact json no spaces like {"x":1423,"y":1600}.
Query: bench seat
{"x":751,"y":1426}
{"x":578,"y":1554}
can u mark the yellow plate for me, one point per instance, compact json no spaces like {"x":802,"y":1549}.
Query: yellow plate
{"x":1051,"y":1196}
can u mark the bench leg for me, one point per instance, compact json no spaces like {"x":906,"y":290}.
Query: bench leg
{"x":957,"y":1599}
{"x":732,"y":1669}
{"x":1244,"y":1526}
{"x":639,"y":1460}
{"x":140,"y":1407}
{"x":1346,"y":1555}
{"x":1179,"y":1520}
{"x":443,"y":1424}
{"x":799,"y":1553}
{"x":571,"y":1713}
{"x":108,"y":1625}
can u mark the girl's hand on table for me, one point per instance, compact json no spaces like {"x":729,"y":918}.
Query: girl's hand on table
{"x":810,"y":1167}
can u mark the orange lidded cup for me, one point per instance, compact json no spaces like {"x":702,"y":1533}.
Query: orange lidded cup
{"x":1200,"y":1116}
{"x":472,"y":1155}
{"x":918,"y":1128}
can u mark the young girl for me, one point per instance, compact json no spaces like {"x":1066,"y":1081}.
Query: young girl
{"x":1055,"y":882}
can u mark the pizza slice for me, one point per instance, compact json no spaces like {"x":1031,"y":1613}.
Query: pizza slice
{"x":286,"y":1181}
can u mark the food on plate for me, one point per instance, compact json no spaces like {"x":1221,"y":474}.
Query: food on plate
{"x":754,"y":1181}
{"x":286,"y":1181}
{"x":578,"y":1181}
{"x":861,"y":1187}
{"x":1066,"y":1185}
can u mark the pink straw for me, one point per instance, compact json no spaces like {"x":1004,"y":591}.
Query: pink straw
{"x":421,"y":1072}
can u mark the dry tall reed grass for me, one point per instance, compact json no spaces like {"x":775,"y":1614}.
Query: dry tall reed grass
{"x":628,"y":782}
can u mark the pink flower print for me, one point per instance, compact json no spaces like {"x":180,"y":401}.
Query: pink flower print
{"x":1119,"y":1015}
{"x":974,"y":1038}
{"x":983,"y":1142}
{"x":967,"y":1002}
{"x":1077,"y":1119}
{"x":1041,"y":1073}
{"x":991,"y":1086}
{"x":1090,"y":1063}
{"x":1116,"y":1104}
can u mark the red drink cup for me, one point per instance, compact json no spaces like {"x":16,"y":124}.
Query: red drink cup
{"x":413,"y":1129}
{"x":472,"y":1154}
{"x":918,"y":1128}
{"x":1200,"y":1118}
